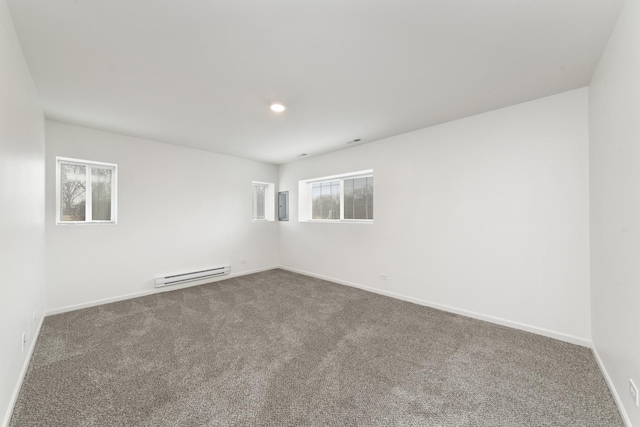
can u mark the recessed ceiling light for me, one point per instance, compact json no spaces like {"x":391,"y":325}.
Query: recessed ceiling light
{"x":302,"y":155}
{"x":277,"y":107}
{"x":354,"y":141}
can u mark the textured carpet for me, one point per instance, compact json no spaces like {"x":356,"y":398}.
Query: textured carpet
{"x":281,"y":349}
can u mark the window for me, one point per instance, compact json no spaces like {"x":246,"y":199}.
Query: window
{"x":263,"y":201}
{"x":347,"y":197}
{"x":86,"y":191}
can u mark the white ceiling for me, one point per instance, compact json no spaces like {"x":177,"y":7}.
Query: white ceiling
{"x":201,"y":73}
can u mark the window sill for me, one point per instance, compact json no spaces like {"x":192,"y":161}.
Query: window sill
{"x":339,"y":221}
{"x":86,"y":223}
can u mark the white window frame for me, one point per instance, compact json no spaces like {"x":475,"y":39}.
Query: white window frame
{"x":269,"y":201}
{"x":305,"y":199}
{"x":88,"y":193}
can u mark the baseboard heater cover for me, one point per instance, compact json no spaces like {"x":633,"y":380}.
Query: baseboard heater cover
{"x":190,"y":277}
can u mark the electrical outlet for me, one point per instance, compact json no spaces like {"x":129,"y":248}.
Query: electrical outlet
{"x":383,"y":276}
{"x":24,"y":340}
{"x":633,"y":391}
{"x":243,"y":261}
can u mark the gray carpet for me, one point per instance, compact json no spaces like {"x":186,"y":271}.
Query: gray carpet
{"x":281,"y":349}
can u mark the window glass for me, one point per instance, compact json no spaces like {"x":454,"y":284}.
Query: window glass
{"x":263,"y":201}
{"x":73,"y":179}
{"x":338,"y":198}
{"x":259,"y":195}
{"x":326,"y":200}
{"x":369,"y":196}
{"x":101,"y":194}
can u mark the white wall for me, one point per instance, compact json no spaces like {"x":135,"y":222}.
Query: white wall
{"x":614,"y":116}
{"x":179,"y":210}
{"x":21,"y":211}
{"x":484,"y":215}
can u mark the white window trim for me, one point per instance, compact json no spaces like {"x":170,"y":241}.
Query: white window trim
{"x":304,"y":198}
{"x":88,"y":207}
{"x":269,"y":202}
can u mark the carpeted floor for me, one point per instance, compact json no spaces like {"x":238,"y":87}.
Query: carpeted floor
{"x":281,"y":349}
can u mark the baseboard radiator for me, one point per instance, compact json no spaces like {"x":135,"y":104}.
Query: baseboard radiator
{"x":176,"y":279}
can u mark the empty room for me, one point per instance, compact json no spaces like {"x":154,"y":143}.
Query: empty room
{"x":320,"y":213}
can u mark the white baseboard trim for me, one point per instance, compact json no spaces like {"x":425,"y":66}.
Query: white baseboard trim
{"x":614,"y":392}
{"x":23,"y":373}
{"x":499,"y":321}
{"x":150,"y":292}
